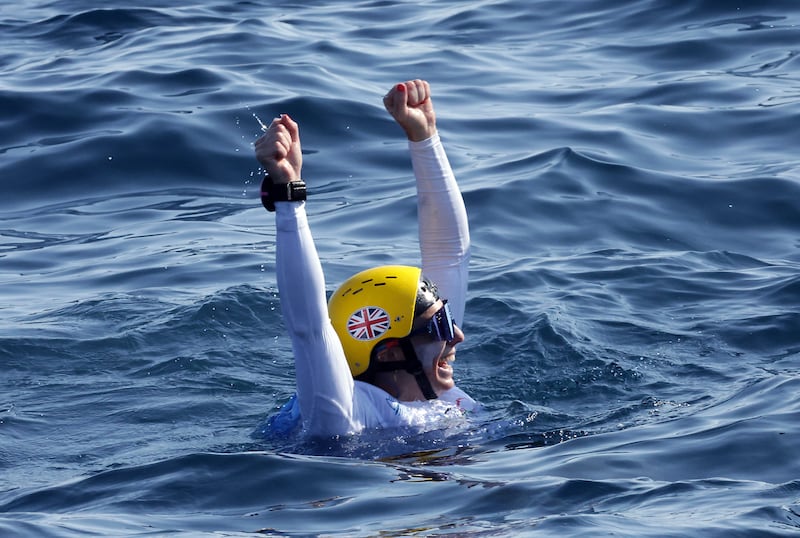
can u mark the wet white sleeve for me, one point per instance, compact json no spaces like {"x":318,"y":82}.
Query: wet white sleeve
{"x":324,"y":383}
{"x":443,"y":226}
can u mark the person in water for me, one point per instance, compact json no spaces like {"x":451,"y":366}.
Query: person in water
{"x":379,"y":353}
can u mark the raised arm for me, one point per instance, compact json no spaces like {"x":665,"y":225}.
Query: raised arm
{"x":324,"y":383}
{"x":443,"y":225}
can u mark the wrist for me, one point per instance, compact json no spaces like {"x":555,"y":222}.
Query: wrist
{"x":419,"y":135}
{"x":280,"y":176}
{"x":418,"y":145}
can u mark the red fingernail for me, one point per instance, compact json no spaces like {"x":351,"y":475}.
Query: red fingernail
{"x":401,"y":87}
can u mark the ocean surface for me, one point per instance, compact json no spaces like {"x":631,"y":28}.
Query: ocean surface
{"x":632,"y":177}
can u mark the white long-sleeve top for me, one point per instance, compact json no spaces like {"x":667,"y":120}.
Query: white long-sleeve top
{"x":328,"y":400}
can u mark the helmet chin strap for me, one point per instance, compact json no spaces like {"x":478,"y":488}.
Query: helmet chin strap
{"x":410,"y":364}
{"x":414,"y":367}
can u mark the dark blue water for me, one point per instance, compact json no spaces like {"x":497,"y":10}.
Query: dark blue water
{"x":632,"y":177}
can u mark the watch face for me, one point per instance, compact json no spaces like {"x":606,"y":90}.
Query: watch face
{"x":297,"y":191}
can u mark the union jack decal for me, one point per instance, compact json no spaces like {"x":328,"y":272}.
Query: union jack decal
{"x":368,"y":323}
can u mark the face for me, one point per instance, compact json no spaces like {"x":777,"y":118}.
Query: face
{"x":436,"y":356}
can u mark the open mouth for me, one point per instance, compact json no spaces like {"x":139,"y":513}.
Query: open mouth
{"x":445,"y":362}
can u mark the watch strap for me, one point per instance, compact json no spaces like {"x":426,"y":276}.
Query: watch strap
{"x":271,"y":192}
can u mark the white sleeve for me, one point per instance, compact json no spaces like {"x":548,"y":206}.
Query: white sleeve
{"x":324,"y":382}
{"x":443,"y":226}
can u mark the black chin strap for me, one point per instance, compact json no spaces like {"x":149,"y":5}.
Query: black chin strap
{"x":412,"y":365}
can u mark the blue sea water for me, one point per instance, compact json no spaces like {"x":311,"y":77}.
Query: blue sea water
{"x":632,"y":178}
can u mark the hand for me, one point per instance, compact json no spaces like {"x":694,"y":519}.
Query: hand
{"x":278,"y":150}
{"x":410,"y":105}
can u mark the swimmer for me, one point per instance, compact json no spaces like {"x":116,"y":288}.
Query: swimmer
{"x":379,"y":354}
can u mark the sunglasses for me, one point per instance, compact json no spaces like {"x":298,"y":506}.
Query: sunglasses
{"x":440,"y":327}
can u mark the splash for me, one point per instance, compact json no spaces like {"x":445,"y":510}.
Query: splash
{"x":260,"y":123}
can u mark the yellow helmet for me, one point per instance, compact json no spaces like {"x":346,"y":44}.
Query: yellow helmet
{"x":374,"y":305}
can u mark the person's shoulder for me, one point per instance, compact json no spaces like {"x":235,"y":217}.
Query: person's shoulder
{"x":460,"y":399}
{"x":377,"y":408}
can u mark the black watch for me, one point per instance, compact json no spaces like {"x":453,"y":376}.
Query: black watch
{"x":271,"y":192}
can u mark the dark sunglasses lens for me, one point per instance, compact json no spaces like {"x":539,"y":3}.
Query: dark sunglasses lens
{"x":442,"y":324}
